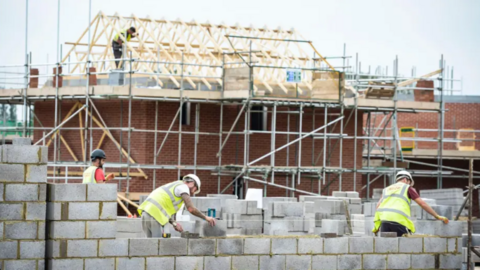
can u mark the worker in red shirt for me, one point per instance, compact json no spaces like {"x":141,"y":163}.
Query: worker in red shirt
{"x":393,"y":209}
{"x":94,"y":174}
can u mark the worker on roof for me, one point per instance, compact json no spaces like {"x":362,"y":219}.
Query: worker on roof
{"x":94,"y":174}
{"x":117,"y":42}
{"x":165,"y":201}
{"x":393,"y":209}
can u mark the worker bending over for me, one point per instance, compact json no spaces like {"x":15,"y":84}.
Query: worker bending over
{"x":117,"y":42}
{"x":165,"y":201}
{"x":94,"y":174}
{"x":393,"y":209}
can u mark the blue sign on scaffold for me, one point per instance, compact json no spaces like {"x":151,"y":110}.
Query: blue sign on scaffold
{"x":294,"y":75}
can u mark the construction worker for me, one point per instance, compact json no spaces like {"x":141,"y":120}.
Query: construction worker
{"x":165,"y":201}
{"x":117,"y":42}
{"x":94,"y":174}
{"x":393,"y":209}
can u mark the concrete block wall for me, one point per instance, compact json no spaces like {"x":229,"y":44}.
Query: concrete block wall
{"x":79,"y":216}
{"x":253,"y":252}
{"x":23,"y":177}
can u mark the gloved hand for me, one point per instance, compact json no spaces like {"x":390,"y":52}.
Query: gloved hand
{"x":444,"y":219}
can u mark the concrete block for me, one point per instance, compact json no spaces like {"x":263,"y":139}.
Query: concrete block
{"x":252,"y":208}
{"x":103,"y":193}
{"x":67,"y":192}
{"x":235,"y":207}
{"x":24,"y":154}
{"x":434,"y":244}
{"x":257,"y":246}
{"x":8,"y":249}
{"x":164,"y":263}
{"x":113,"y":247}
{"x":349,"y":262}
{"x":12,"y":173}
{"x":36,"y":173}
{"x":423,"y":261}
{"x":334,"y":226}
{"x":205,"y":230}
{"x":310,"y":245}
{"x":289,"y":209}
{"x":1,"y":231}
{"x":36,"y":211}
{"x":284,"y":246}
{"x":143,"y":247}
{"x":32,"y":249}
{"x":217,"y":263}
{"x":131,"y":263}
{"x":101,"y":229}
{"x":245,"y":262}
{"x":21,"y":141}
{"x":83,"y":211}
{"x":452,"y":229}
{"x":65,"y":264}
{"x":189,"y":262}
{"x":100,"y":264}
{"x":201,"y":247}
{"x":125,"y":224}
{"x":21,"y":230}
{"x":373,"y":261}
{"x":41,"y":226}
{"x":21,"y":192}
{"x":67,"y":229}
{"x":11,"y":211}
{"x":386,"y":245}
{"x":361,"y":244}
{"x":42,"y":192}
{"x":173,"y":246}
{"x":230,"y":246}
{"x":82,"y":248}
{"x":108,"y":210}
{"x":324,"y":262}
{"x":335,"y":245}
{"x":450,"y":261}
{"x":339,"y":194}
{"x":299,"y":262}
{"x":410,"y":245}
{"x":276,"y":262}
{"x":398,"y":261}
{"x":21,"y":264}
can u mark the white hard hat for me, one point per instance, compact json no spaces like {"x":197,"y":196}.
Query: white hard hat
{"x":404,"y":174}
{"x":190,"y":177}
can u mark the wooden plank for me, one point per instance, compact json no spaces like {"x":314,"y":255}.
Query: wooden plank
{"x":428,"y":75}
{"x":124,"y":207}
{"x":134,"y":196}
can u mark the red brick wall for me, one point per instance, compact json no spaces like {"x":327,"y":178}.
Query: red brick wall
{"x":143,"y":117}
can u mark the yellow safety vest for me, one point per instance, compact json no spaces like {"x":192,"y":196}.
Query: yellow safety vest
{"x":395,"y":207}
{"x":162,"y":203}
{"x":89,"y":175}
{"x":124,"y":32}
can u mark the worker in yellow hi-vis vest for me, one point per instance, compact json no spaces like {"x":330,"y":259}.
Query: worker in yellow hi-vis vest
{"x":165,"y":201}
{"x":94,"y":174}
{"x":117,"y":42}
{"x":393,"y":209}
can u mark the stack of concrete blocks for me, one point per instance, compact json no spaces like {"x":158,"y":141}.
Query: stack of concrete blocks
{"x":452,"y":197}
{"x":242,"y":217}
{"x":23,"y":177}
{"x":129,"y":228}
{"x":197,"y":225}
{"x":283,"y":216}
{"x":352,"y":198}
{"x":79,"y":217}
{"x":443,"y":210}
{"x":358,"y":224}
{"x":369,"y":209}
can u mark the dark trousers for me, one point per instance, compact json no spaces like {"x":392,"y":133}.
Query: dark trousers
{"x":117,"y":52}
{"x":389,"y":226}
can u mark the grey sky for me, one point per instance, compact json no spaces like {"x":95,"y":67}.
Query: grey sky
{"x":417,"y":31}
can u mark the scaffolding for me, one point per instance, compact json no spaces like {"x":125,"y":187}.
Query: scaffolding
{"x":195,"y":65}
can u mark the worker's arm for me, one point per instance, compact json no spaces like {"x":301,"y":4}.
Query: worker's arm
{"x":194,"y":211}
{"x":429,"y":210}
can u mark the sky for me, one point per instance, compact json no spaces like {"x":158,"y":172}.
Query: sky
{"x":417,"y":31}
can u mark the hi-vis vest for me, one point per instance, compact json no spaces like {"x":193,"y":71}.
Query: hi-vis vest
{"x":124,"y":33}
{"x":162,"y":203}
{"x":89,"y":175}
{"x":395,"y":207}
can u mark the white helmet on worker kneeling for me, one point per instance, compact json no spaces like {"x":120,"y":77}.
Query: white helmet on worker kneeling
{"x":404,"y":174}
{"x":193,"y":177}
